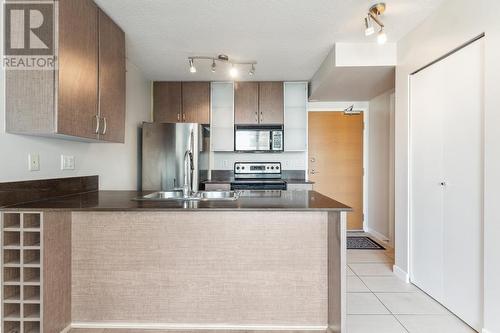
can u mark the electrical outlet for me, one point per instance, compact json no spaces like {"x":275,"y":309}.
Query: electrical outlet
{"x":33,"y":162}
{"x":225,"y":164}
{"x":67,"y":162}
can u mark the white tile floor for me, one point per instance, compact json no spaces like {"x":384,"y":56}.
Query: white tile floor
{"x":377,"y":301}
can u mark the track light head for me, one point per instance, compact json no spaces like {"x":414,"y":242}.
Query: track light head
{"x":192,"y":69}
{"x":382,"y":36}
{"x":233,"y":71}
{"x":251,"y":72}
{"x":369,"y":30}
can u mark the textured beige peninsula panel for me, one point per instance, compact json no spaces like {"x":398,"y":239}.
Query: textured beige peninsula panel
{"x":214,"y":268}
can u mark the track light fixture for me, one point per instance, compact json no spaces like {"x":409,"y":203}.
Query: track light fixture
{"x":233,"y":72}
{"x":373,"y":15}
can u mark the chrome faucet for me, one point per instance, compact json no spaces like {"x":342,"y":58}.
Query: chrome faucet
{"x":187,"y":189}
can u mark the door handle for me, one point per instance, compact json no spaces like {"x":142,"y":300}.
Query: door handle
{"x":105,"y":129}
{"x":98,"y":123}
{"x":442,"y":184}
{"x":313,"y":159}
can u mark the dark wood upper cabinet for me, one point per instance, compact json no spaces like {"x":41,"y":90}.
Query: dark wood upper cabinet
{"x":196,"y":102}
{"x":167,"y":102}
{"x":181,"y":102}
{"x":246,"y":103}
{"x":271,"y":103}
{"x":85,"y":97}
{"x":78,"y":69}
{"x":112,"y":72}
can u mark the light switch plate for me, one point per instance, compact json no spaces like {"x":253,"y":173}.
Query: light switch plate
{"x":67,"y":162}
{"x":34,"y":162}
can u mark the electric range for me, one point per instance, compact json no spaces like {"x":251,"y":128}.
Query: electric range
{"x":258,"y":176}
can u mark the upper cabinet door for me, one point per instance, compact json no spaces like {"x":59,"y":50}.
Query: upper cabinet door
{"x":196,"y":102}
{"x":246,"y":103}
{"x":78,"y":69}
{"x":271,"y":103}
{"x":111,"y":80}
{"x":167,"y":102}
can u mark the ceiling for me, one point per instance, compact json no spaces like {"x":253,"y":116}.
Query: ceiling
{"x":288,"y":38}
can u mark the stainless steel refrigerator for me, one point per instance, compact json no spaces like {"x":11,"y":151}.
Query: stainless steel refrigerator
{"x":164,"y":148}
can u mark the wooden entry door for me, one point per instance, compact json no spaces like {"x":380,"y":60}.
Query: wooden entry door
{"x":336,"y":160}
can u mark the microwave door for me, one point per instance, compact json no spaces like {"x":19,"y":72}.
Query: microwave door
{"x":246,"y":140}
{"x":264,"y":139}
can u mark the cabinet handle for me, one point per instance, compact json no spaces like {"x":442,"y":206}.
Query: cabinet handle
{"x":98,"y":123}
{"x":183,"y":117}
{"x":178,"y":117}
{"x":261,"y":117}
{"x":105,"y":126}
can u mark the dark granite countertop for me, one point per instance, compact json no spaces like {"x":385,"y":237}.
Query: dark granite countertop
{"x":249,"y":200}
{"x":231,"y":180}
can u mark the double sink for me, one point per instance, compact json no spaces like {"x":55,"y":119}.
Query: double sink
{"x":177,"y":195}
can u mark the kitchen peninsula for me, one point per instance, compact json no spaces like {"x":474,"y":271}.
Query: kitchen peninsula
{"x":100,"y":259}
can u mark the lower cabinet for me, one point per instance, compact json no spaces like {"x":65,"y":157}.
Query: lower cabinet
{"x":35,"y":246}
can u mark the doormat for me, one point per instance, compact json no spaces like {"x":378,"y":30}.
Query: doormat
{"x":362,"y":243}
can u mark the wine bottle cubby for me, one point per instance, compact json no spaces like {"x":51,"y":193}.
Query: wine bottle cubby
{"x":21,"y":272}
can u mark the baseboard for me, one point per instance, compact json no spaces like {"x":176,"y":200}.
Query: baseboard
{"x":377,"y":235}
{"x":103,"y":325}
{"x":67,"y":329}
{"x":401,"y":274}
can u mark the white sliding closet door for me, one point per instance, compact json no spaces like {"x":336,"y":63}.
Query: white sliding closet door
{"x":447,"y":181}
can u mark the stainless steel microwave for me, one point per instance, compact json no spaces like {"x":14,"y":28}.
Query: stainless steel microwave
{"x":258,"y":138}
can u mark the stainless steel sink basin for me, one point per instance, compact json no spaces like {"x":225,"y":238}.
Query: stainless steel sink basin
{"x":198,"y":196}
{"x":164,"y":195}
{"x":217,"y":195}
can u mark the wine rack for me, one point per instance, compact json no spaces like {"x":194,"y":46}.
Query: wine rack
{"x":21,"y":280}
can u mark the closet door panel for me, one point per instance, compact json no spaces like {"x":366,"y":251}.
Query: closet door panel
{"x":426,"y":175}
{"x":463,"y":175}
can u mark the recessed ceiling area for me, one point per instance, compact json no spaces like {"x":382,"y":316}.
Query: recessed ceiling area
{"x":288,"y":38}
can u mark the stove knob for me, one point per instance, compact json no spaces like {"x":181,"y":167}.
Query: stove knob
{"x":272,"y":168}
{"x":237,"y":168}
{"x":243,"y":168}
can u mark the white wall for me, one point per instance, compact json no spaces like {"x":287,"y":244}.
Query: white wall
{"x":453,"y":24}
{"x":381,"y":145}
{"x":116,"y":164}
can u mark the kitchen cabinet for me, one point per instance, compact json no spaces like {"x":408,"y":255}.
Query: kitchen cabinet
{"x":446,"y":181}
{"x":167,"y":102}
{"x":112,"y":73}
{"x":295,"y":118}
{"x":85,"y":97}
{"x":196,"y":102}
{"x":222,"y":119}
{"x":36,"y":271}
{"x":181,"y":102}
{"x":77,"y":96}
{"x":258,"y":103}
{"x":246,"y":103}
{"x":271,"y":103}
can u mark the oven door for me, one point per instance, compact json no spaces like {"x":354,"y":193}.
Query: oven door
{"x":252,"y":140}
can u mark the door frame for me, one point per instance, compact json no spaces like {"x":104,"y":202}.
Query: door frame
{"x":340,"y":107}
